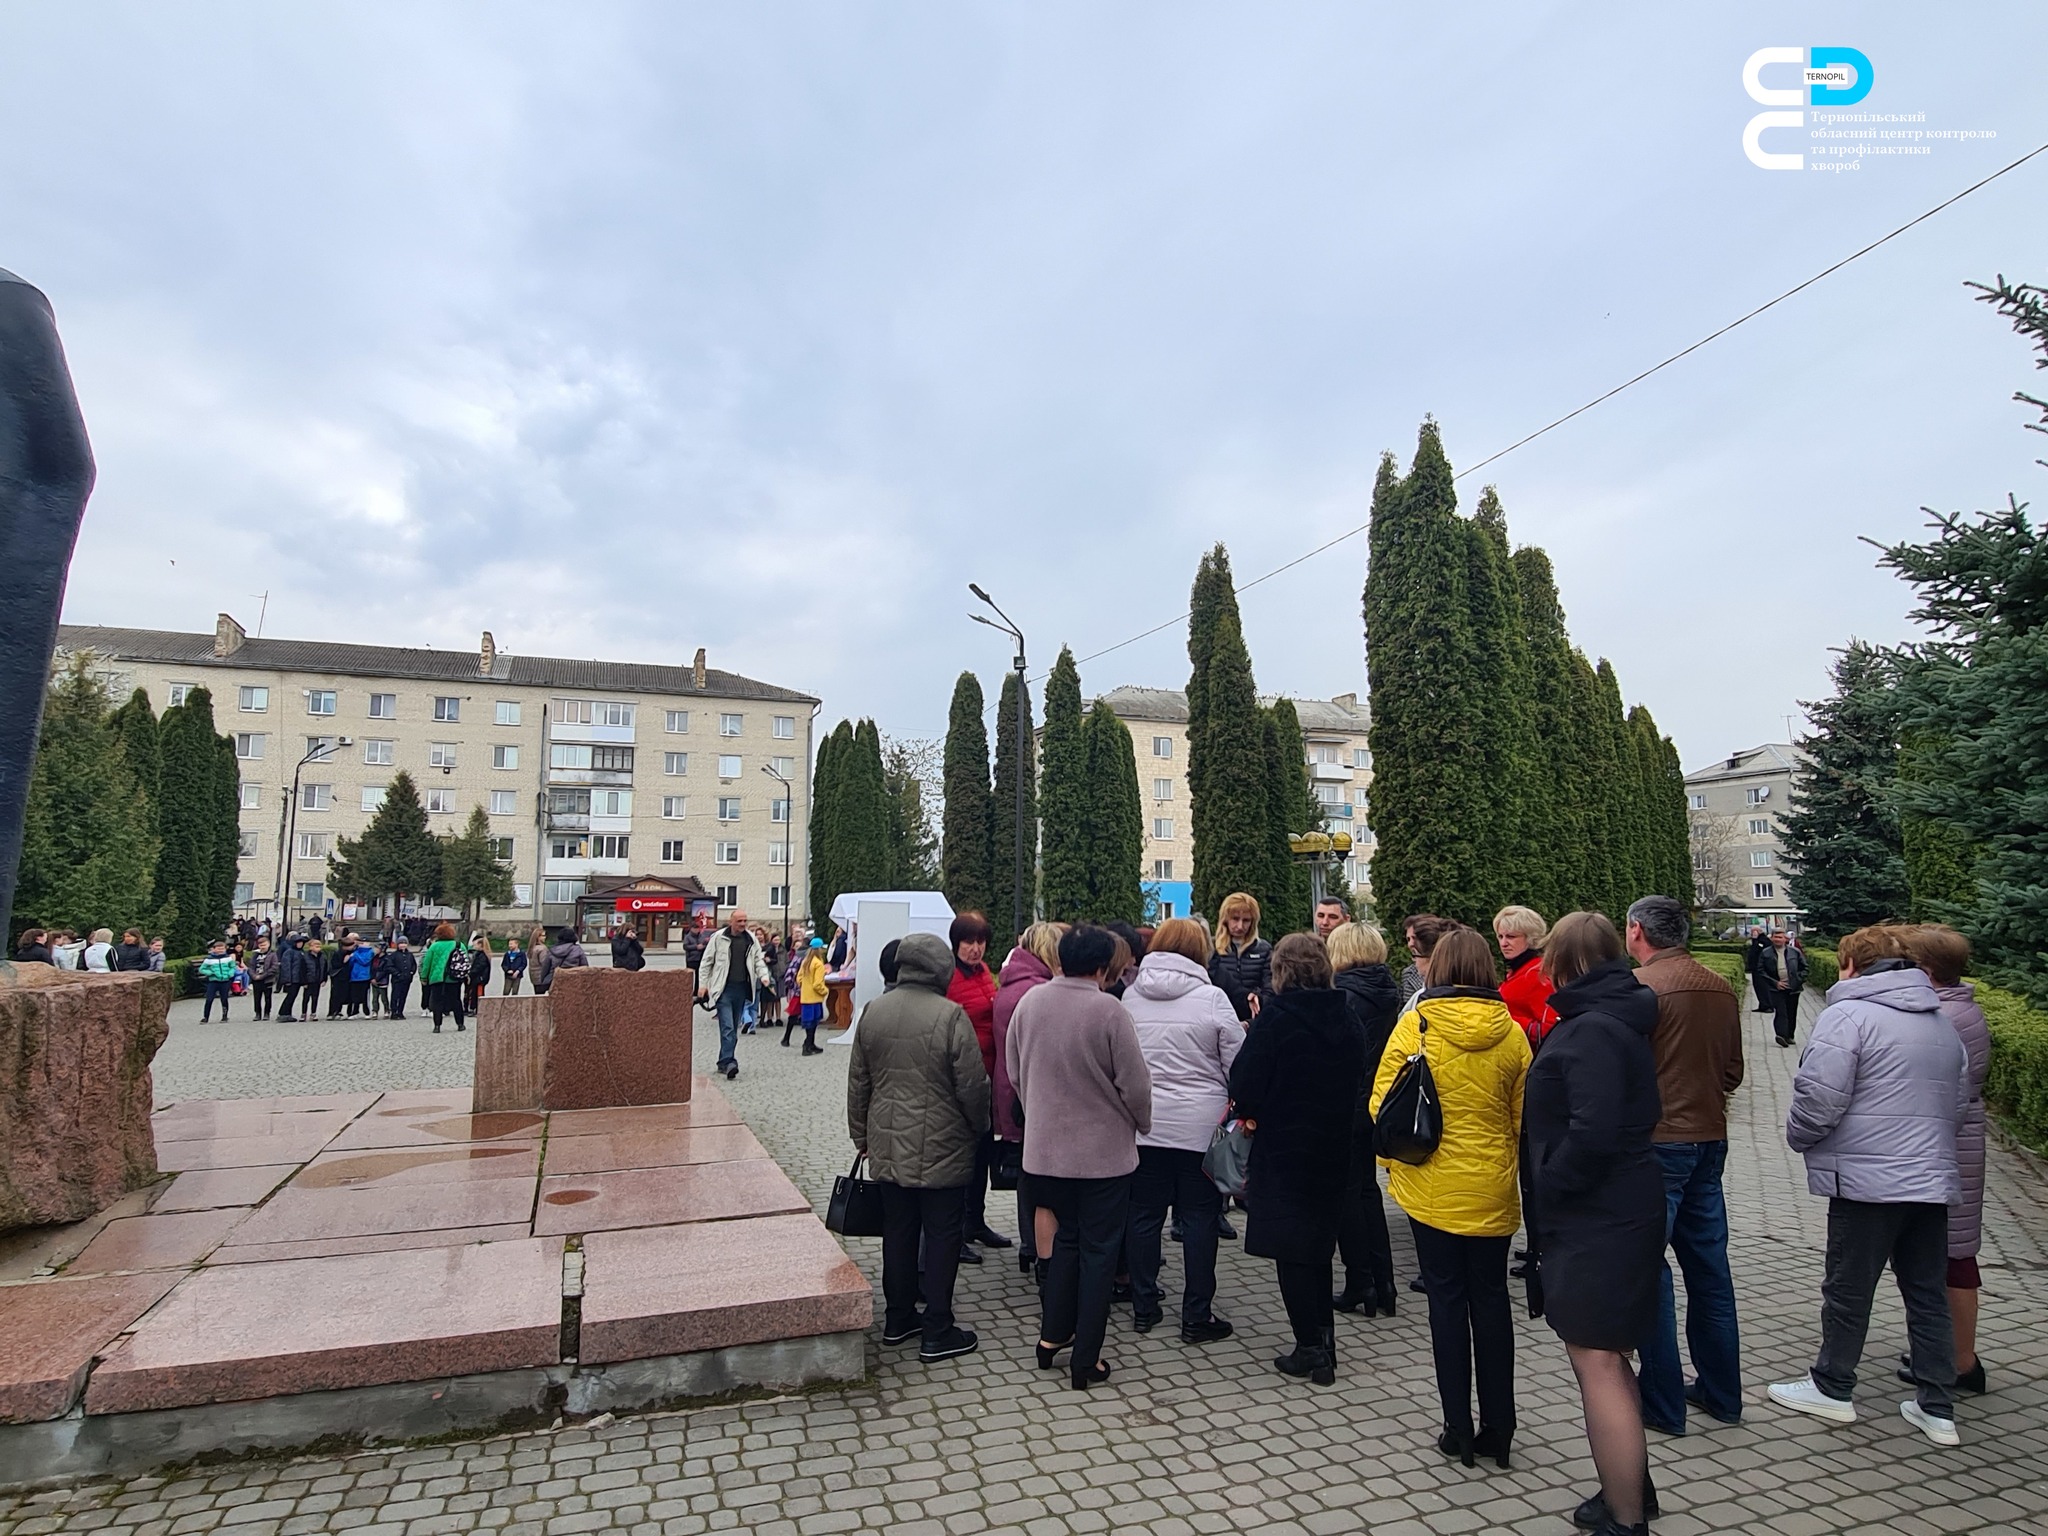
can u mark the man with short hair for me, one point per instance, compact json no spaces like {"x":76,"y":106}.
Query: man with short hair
{"x":733,"y":969}
{"x":1698,"y":1049}
{"x":400,"y":966}
{"x":1781,"y":976}
{"x":1331,"y":915}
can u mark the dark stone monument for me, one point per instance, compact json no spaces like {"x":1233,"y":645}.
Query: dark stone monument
{"x":45,"y":476}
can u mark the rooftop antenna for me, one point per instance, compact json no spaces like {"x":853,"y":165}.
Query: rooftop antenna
{"x":261,"y":612}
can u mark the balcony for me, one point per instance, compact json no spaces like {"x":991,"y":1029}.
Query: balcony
{"x":604,"y":735}
{"x":622,"y":777}
{"x":1329,"y":773}
{"x":568,"y":821}
{"x":1338,"y":812}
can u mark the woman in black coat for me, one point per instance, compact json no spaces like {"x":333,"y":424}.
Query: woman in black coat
{"x":1588,"y":1110}
{"x":1373,"y":996}
{"x":1243,"y":963}
{"x":1296,"y":1085}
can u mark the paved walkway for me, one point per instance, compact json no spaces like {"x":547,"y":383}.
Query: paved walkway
{"x":1185,"y":1440}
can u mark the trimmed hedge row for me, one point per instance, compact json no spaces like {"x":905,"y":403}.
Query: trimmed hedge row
{"x":1821,"y":970}
{"x":2017,"y":1090}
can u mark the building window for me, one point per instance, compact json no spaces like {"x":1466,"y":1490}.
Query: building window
{"x":1162,"y":827}
{"x":1329,"y":794}
{"x":1764,"y":890}
{"x":1322,"y":754}
{"x":568,"y":755}
{"x":178,"y":692}
{"x":1697,"y":802}
{"x":672,"y":851}
{"x":727,"y":853}
{"x":1759,"y":793}
{"x":1162,"y":746}
{"x":255,"y":701}
{"x":675,"y":764}
{"x":785,"y":766}
{"x":731,"y":725}
{"x":501,"y":849}
{"x":1361,"y":757}
{"x":319,"y":746}
{"x":508,"y":712}
{"x":245,"y":892}
{"x":379,"y":753}
{"x":611,"y":802}
{"x":778,"y":853}
{"x":1162,"y":789}
{"x":673,"y":807}
{"x":607,"y":713}
{"x":608,"y":845}
{"x":310,"y":845}
{"x":441,"y":802}
{"x":1703,"y":860}
{"x":319,"y":701}
{"x":676,"y":722}
{"x":1760,"y":858}
{"x":1759,"y":826}
{"x":312,"y":893}
{"x":785,"y":727}
{"x":373,"y":797}
{"x":447,"y":709}
{"x":249,"y":744}
{"x":504,"y":802}
{"x":504,"y":757}
{"x":316,"y":797}
{"x":569,"y":848}
{"x":561,"y":892}
{"x":778,"y":809}
{"x":612,"y":759}
{"x":383,"y":706}
{"x":569,"y":802}
{"x":728,"y":767}
{"x":573,"y":711}
{"x":728,"y":896}
{"x":441,"y":754}
{"x":1165,"y":910}
{"x":729,"y":808}
{"x":1162,"y":869}
{"x":252,"y":796}
{"x":246,"y":846}
{"x":778,"y":895}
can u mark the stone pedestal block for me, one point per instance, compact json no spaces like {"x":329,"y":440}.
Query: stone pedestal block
{"x":618,"y":1037}
{"x":511,"y":1052}
{"x":75,"y":1089}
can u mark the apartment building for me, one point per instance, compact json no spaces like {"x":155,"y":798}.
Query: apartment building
{"x":1334,"y":735}
{"x":590,"y":771}
{"x":1734,"y":806}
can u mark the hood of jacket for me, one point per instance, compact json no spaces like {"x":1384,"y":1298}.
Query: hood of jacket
{"x":1022,"y":965}
{"x":1908,"y":990}
{"x":1373,"y":985}
{"x":565,"y":952}
{"x":1165,"y":977}
{"x":923,"y":960}
{"x":1469,"y":1018}
{"x":1611,"y":988}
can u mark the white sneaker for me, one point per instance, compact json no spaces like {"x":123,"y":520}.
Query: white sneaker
{"x":1940,"y":1431}
{"x":1807,"y":1398}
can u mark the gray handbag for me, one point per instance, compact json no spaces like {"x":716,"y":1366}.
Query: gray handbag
{"x":1228,"y":1162}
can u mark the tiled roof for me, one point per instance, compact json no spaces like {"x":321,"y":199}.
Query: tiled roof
{"x":350,"y":660}
{"x":1170,"y":705}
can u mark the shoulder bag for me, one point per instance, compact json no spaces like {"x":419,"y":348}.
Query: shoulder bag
{"x":1411,"y":1120}
{"x":856,"y":1206}
{"x":1228,"y":1162}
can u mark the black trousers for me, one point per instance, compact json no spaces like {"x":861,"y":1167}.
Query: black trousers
{"x":311,"y":1001}
{"x":291,"y":993}
{"x":1305,"y":1291}
{"x":1082,"y":1270}
{"x":1173,"y":1176}
{"x":1862,"y":1238}
{"x":1362,"y":1236}
{"x":442,"y":998}
{"x":1470,"y":1324}
{"x":337,"y":995}
{"x":920,"y":1256}
{"x":401,"y":989}
{"x":1785,"y":1013}
{"x":975,"y":1221}
{"x":259,"y":996}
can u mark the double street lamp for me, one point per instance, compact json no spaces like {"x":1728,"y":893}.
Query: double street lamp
{"x":1009,"y":627}
{"x":322,"y":751}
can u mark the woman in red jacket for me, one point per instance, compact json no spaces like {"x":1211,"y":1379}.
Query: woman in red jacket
{"x":1521,"y":934}
{"x":974,"y":988}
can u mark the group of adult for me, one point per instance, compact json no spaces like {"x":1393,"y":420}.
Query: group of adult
{"x":1582,"y":1081}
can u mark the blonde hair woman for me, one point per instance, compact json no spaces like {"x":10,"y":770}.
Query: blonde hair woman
{"x":1243,"y":963}
{"x":1034,"y":961}
{"x":1521,"y":934}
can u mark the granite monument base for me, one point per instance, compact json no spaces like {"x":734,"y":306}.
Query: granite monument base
{"x":599,"y":1039}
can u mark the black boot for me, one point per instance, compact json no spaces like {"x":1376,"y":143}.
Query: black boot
{"x":1457,"y":1443}
{"x":1310,"y":1360}
{"x":1594,"y":1515}
{"x":1493,"y":1442}
{"x":1385,"y":1300}
{"x":1352,"y":1299}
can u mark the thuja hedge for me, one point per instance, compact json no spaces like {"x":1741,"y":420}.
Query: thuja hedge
{"x":2018,"y":1087}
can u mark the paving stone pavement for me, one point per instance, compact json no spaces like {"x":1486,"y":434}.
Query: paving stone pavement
{"x":1183,"y":1440}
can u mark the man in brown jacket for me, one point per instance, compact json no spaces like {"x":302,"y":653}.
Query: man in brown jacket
{"x":1698,"y":1047}
{"x":917,"y":1104}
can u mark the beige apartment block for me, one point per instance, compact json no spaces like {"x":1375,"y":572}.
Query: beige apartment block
{"x":1735,"y":806}
{"x":587,"y":769}
{"x":1334,"y":736}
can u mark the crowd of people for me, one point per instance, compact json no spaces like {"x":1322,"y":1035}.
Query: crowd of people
{"x":1576,"y":1080}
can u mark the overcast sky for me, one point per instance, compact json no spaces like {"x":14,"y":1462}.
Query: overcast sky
{"x":625,"y":329}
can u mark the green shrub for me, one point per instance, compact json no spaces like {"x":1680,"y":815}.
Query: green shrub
{"x":1821,"y":970}
{"x":2017,"y":1090}
{"x":1728,"y":967}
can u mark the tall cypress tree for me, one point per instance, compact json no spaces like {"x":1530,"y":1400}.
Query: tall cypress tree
{"x":1238,"y":854}
{"x":1509,"y":854}
{"x":1063,"y":788}
{"x":1593,"y":767}
{"x":1295,"y":811}
{"x":1557,"y":807}
{"x":227,"y":807}
{"x":872,"y":858}
{"x":1667,"y":870}
{"x":189,"y":825}
{"x":828,"y":786}
{"x":1841,"y":829}
{"x":966,"y":861}
{"x":1116,"y":834}
{"x":1622,"y":799}
{"x":1213,"y":599}
{"x":135,"y":723}
{"x":1003,"y":814}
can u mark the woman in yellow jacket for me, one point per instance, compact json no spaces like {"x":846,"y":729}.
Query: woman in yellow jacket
{"x":1463,"y":1202}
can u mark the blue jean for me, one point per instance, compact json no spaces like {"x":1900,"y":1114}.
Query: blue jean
{"x":216,"y":989}
{"x":729,"y":1006}
{"x":1696,"y":1225}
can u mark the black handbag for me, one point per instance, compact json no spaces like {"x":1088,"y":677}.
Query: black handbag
{"x":856,"y":1206}
{"x":1006,"y":1168}
{"x":1411,"y":1120}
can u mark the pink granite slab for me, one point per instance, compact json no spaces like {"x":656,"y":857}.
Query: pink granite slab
{"x":618,"y":1037}
{"x":206,"y":1189}
{"x":473,"y":1199}
{"x":436,"y":1127}
{"x":648,"y":1197}
{"x":174,"y":1240}
{"x":650,"y":1149}
{"x":211,"y":1119}
{"x":50,"y":1330}
{"x":453,"y":1101}
{"x":376,"y":1242}
{"x":709,"y":1107}
{"x":389,"y":1167}
{"x":237,"y":1332}
{"x":512,"y":1052}
{"x":709,"y":1285}
{"x":241,"y":1151}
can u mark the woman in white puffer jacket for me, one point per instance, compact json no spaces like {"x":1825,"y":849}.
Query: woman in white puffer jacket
{"x":1190,"y":1034}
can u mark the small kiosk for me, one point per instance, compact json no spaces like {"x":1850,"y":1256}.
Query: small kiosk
{"x":661,"y":907}
{"x":871,"y":919}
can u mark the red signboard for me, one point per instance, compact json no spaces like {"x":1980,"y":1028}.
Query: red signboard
{"x":652,"y":904}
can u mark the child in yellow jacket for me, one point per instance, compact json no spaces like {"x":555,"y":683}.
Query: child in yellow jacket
{"x":810,"y":992}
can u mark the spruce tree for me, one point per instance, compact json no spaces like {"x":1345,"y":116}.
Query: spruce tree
{"x":828,"y":784}
{"x":1558,"y":880}
{"x":966,"y":862}
{"x":1003,"y":818}
{"x":1841,"y":829}
{"x":1238,"y":854}
{"x":472,"y":877}
{"x":1116,"y":834}
{"x":1063,"y":789}
{"x":89,"y":843}
{"x":1295,"y":812}
{"x":189,"y":825}
{"x":1940,"y":861}
{"x":1509,"y":856}
{"x":135,"y":723}
{"x":396,"y":856}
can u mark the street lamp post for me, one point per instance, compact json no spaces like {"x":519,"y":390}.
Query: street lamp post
{"x":788,"y":811}
{"x":1009,"y":627}
{"x":288,"y":820}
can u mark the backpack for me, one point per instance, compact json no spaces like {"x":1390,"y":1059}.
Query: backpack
{"x":457,"y":968}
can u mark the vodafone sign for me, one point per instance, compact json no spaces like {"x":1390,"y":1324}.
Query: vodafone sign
{"x":652,"y":904}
